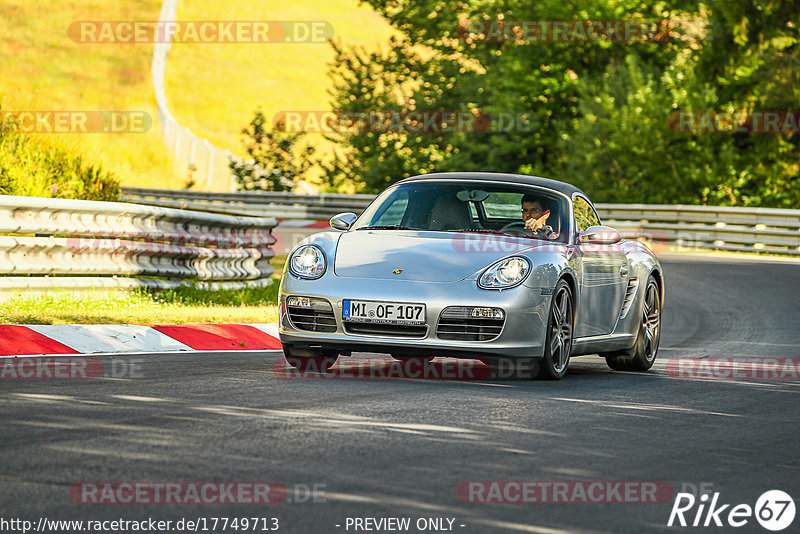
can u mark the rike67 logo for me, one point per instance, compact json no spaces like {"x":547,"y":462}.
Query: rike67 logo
{"x":774,"y":510}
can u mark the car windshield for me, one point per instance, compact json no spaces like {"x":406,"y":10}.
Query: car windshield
{"x":467,"y":207}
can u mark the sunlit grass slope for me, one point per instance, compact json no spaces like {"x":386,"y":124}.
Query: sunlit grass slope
{"x":212,"y":88}
{"x":41,"y":68}
{"x":231,"y":80}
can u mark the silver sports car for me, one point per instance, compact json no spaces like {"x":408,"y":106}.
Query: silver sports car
{"x":496,"y":267}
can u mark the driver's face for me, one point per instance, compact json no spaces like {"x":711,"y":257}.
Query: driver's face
{"x":531,"y":210}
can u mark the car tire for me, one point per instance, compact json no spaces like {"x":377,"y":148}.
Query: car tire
{"x":643,"y":354}
{"x":558,"y":333}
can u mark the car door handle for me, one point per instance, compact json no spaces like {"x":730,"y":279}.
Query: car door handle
{"x":623,"y":270}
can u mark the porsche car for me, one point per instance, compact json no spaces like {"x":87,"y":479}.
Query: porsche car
{"x":454,"y":265}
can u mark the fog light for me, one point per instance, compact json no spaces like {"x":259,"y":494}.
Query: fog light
{"x":309,"y":303}
{"x":298,"y":302}
{"x":487,"y":313}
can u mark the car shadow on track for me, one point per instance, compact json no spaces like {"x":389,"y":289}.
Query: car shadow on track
{"x":583,"y":372}
{"x":379,"y":367}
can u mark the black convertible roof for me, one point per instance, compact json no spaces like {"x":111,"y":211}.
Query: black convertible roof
{"x":522,"y":179}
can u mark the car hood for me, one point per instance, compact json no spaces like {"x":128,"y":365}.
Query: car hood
{"x":423,"y":256}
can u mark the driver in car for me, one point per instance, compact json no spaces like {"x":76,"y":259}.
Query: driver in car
{"x":535,"y":212}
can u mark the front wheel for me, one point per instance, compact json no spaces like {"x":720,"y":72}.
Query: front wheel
{"x":641,"y":356}
{"x":558,"y":338}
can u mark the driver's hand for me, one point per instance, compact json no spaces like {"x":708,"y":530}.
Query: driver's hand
{"x":534,"y":224}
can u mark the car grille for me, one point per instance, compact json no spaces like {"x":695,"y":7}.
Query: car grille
{"x":318,"y":317}
{"x":391,"y":330}
{"x":457,"y":324}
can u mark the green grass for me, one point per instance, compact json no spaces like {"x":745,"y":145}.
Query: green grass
{"x":37,"y":166}
{"x":143,"y":307}
{"x":173,"y":306}
{"x":272,"y":77}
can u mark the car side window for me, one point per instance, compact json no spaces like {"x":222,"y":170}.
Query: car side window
{"x":394,"y":212}
{"x":585,"y":215}
{"x":501,"y":205}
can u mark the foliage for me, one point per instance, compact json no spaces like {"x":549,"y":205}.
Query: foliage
{"x":36,"y":165}
{"x":274,"y":163}
{"x":600,"y":113}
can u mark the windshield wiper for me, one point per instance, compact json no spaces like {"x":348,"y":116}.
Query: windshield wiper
{"x":386,"y":227}
{"x":498,"y":232}
{"x":479,"y":231}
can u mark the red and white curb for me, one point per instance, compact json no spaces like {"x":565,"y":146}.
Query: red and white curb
{"x":34,"y":340}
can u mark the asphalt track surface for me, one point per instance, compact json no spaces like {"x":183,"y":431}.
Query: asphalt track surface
{"x":400,"y":448}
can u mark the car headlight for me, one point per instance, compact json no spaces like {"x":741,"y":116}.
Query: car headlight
{"x":307,"y":261}
{"x":505,"y":273}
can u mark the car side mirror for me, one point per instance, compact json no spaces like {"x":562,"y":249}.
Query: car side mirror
{"x":600,"y":235}
{"x":343,"y":221}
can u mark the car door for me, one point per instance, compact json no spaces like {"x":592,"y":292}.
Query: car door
{"x":604,"y":270}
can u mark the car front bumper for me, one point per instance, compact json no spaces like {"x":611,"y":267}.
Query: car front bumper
{"x":522,"y":336}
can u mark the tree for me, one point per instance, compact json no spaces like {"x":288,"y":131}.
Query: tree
{"x":625,"y":148}
{"x":273,"y":164}
{"x":600,"y":111}
{"x":436,"y":66}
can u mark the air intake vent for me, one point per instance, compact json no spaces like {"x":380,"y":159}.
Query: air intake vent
{"x":388,"y":330}
{"x":314,"y":315}
{"x":467,"y":323}
{"x":630,"y":293}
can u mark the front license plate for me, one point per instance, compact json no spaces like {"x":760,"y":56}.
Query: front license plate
{"x":370,"y":311}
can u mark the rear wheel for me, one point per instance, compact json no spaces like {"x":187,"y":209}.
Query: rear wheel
{"x":558,"y":338}
{"x":641,"y":356}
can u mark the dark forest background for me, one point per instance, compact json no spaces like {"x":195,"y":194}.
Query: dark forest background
{"x":601,"y":113}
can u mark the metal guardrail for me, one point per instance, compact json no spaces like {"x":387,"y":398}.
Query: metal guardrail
{"x":250,"y":203}
{"x":121,"y":245}
{"x":709,"y":227}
